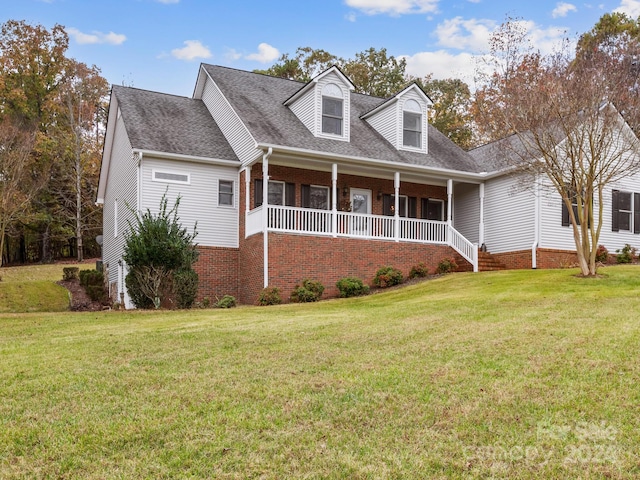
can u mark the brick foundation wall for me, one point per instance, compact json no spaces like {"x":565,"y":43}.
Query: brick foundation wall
{"x":293,"y":258}
{"x":546,"y":258}
{"x":217,"y":269}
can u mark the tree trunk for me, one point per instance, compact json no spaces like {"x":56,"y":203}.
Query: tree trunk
{"x":79,"y":246}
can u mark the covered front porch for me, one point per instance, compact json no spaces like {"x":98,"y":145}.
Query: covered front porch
{"x":336,"y":200}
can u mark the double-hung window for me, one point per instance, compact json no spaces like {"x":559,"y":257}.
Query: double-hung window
{"x":315,"y":196}
{"x":412,"y":125}
{"x":625,"y":211}
{"x":225,"y":192}
{"x":332,"y":110}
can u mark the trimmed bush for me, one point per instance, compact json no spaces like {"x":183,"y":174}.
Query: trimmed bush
{"x":447,"y":265}
{"x":309,"y":291}
{"x":626,"y":255}
{"x":70,"y":273}
{"x":387,"y":277}
{"x":228,"y":301}
{"x":93,"y":283}
{"x":269,"y":296}
{"x":602,"y":254}
{"x":351,"y":287}
{"x":419,"y":271}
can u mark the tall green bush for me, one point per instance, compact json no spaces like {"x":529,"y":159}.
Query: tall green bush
{"x":160,"y":255}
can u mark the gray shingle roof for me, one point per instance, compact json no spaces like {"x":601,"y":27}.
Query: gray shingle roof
{"x":258,"y":100}
{"x":171,"y":124}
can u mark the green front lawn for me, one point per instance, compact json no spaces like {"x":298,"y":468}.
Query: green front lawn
{"x":517,"y":374}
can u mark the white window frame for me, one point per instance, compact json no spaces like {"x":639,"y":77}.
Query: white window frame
{"x":331,"y":91}
{"x":154,"y":178}
{"x":401,"y":198}
{"x":628,"y":212}
{"x":284,"y":191}
{"x":443,"y":214}
{"x":413,"y":108}
{"x":233,"y":191}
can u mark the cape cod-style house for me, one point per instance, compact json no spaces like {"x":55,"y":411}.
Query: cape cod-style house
{"x":288,"y":181}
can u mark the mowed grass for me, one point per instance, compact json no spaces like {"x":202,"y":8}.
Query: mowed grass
{"x":518,"y":374}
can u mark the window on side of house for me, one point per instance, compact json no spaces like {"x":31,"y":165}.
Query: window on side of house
{"x":412,"y":125}
{"x":315,"y":196}
{"x":625,"y":211}
{"x":566,"y":219}
{"x":225,"y":192}
{"x":432,"y":209}
{"x":332,"y":110}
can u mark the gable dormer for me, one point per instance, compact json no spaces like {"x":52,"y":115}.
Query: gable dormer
{"x":403,"y":119}
{"x":324,"y":105}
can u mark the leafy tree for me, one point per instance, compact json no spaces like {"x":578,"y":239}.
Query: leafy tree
{"x":306,"y":64}
{"x":373,"y":72}
{"x":563,"y":125}
{"x":451,"y":99}
{"x":160,"y":255}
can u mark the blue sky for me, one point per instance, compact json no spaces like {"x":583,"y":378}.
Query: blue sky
{"x":158,"y":44}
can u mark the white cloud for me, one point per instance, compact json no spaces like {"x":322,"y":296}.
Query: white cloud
{"x":232,"y":54}
{"x":441,"y":65}
{"x":562,"y":9}
{"x":352,"y":17}
{"x":394,"y":7}
{"x":266,"y":53}
{"x":96,"y":37}
{"x":192,"y":49}
{"x":630,"y":7}
{"x":463,"y":34}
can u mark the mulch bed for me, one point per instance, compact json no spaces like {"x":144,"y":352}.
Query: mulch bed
{"x":80,"y":301}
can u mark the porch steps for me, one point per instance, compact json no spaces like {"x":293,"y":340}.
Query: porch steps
{"x":486,"y":263}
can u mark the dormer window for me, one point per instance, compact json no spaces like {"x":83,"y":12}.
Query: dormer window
{"x":332,"y":109}
{"x":412,"y":124}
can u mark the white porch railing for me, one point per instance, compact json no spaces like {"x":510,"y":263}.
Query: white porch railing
{"x":356,"y":225}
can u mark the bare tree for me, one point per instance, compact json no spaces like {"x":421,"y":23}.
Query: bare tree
{"x":19,"y":179}
{"x":564,"y":125}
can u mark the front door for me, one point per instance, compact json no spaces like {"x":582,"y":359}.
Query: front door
{"x":360,"y":203}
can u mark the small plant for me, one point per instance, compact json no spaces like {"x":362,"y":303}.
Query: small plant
{"x":351,"y":287}
{"x":269,"y":296}
{"x":228,"y":301}
{"x":387,"y":277}
{"x":446,"y":265}
{"x":626,"y":255}
{"x":309,"y":291}
{"x":185,"y":287}
{"x":70,"y":273}
{"x":419,"y":271}
{"x":93,"y":283}
{"x":204,"y":303}
{"x":602,"y":254}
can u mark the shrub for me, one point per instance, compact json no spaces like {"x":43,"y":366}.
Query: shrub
{"x":387,"y":277}
{"x":351,"y":287}
{"x":447,"y":265}
{"x":70,"y":273}
{"x":626,"y":255}
{"x":309,"y":291}
{"x":419,"y":270}
{"x":185,"y":287}
{"x":93,"y":283}
{"x":160,"y":255}
{"x":602,"y":254}
{"x":228,"y":301}
{"x":269,"y":296}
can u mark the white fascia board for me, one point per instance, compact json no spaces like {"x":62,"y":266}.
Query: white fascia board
{"x":188,"y":158}
{"x":394,"y":166}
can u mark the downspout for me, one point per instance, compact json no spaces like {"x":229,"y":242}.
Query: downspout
{"x":536,"y":233}
{"x":449,"y":209}
{"x":481,"y":225}
{"x":265,"y":213}
{"x":396,"y":212}
{"x":334,"y":200}
{"x":139,"y":183}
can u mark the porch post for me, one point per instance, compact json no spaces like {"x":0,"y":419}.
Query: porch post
{"x":396,"y":220}
{"x":481,"y":226}
{"x":334,"y":200}
{"x":265,"y":214}
{"x":449,"y":209}
{"x":247,"y":188}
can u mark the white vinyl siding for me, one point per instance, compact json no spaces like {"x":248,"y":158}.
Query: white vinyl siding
{"x":236,"y":133}
{"x":122,"y":186}
{"x":509,"y":214}
{"x":466,"y":214}
{"x":385,"y":123}
{"x":304,"y":109}
{"x":217,"y":225}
